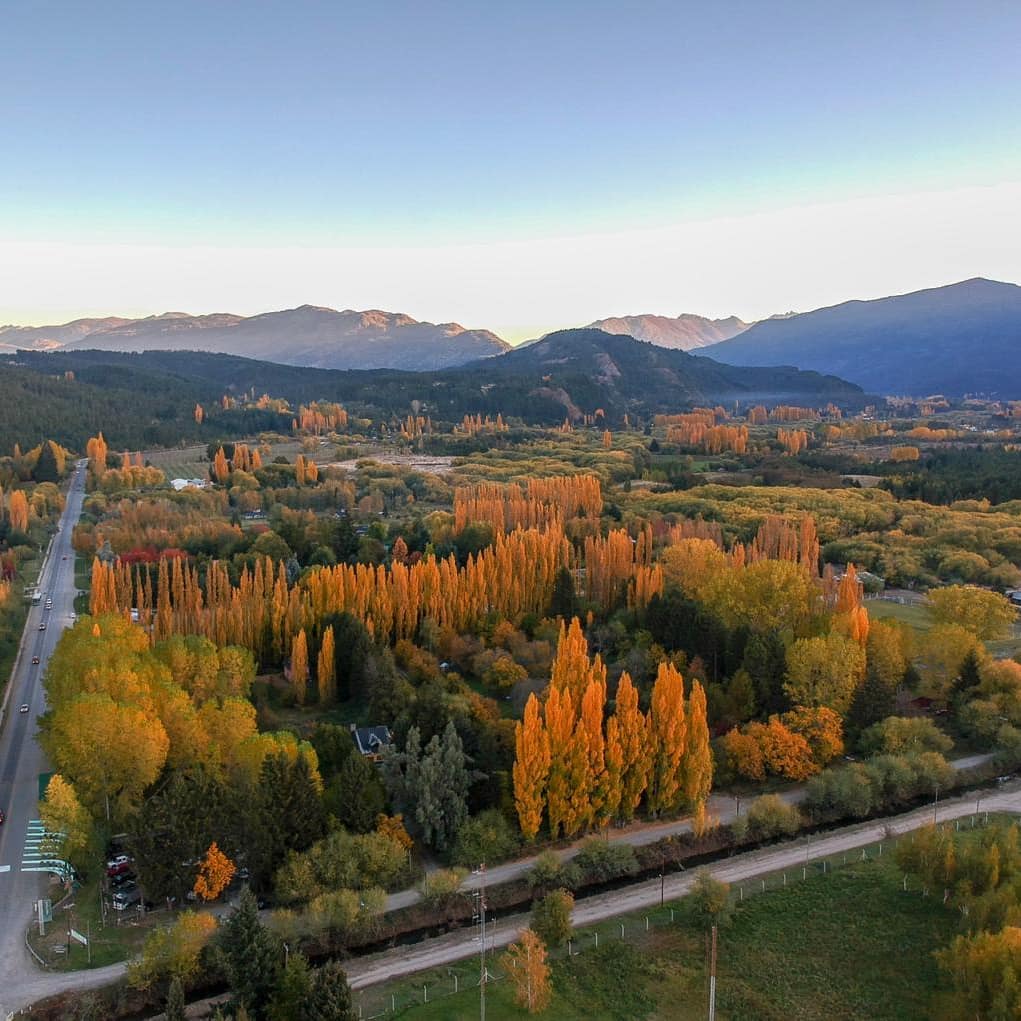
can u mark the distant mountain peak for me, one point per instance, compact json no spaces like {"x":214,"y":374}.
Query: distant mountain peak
{"x":683,"y":333}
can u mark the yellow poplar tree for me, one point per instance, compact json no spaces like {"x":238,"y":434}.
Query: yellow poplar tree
{"x":667,"y":740}
{"x":698,"y":765}
{"x":299,"y":666}
{"x":627,"y":752}
{"x":531,"y":768}
{"x":326,"y":670}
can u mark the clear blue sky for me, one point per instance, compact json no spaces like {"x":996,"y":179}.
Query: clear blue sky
{"x":425,"y":125}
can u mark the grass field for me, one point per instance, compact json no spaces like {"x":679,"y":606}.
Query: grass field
{"x":917,"y":616}
{"x":844,"y":946}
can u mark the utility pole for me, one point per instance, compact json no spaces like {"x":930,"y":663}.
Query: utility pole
{"x":483,"y":971}
{"x":934,"y":805}
{"x":712,"y":978}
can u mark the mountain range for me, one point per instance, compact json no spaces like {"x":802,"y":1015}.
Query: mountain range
{"x":564,"y":376}
{"x":964,"y":338}
{"x":685,"y":332}
{"x":309,"y":336}
{"x":957,"y":339}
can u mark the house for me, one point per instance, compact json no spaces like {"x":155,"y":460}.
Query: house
{"x":180,"y":484}
{"x":371,"y":741}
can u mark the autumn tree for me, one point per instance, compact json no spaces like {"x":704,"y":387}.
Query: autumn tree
{"x":17,"y":510}
{"x":824,"y":672}
{"x":531,"y":769}
{"x":172,"y":953}
{"x":987,"y":615}
{"x":983,"y":969}
{"x":62,"y":812}
{"x":627,"y":752}
{"x":326,"y":676}
{"x":299,"y":667}
{"x":85,"y":740}
{"x":698,"y":758}
{"x":215,"y":873}
{"x":668,"y":735}
{"x":525,"y":964}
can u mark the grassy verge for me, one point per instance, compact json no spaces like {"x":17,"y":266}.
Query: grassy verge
{"x":114,"y":938}
{"x":841,"y":944}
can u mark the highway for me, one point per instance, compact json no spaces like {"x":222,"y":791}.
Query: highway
{"x":22,"y":760}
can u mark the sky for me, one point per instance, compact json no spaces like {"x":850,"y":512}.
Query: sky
{"x":519,"y":167}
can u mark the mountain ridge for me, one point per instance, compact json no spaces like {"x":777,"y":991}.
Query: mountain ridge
{"x":685,"y":332}
{"x":311,"y":336}
{"x":954,"y":339}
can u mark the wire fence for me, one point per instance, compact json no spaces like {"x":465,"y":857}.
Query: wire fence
{"x":462,"y":978}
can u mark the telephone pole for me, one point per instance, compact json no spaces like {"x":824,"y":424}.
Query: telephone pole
{"x":712,"y":978}
{"x":483,"y":971}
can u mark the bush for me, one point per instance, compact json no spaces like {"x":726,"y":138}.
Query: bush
{"x":904,"y":735}
{"x":550,"y":873}
{"x":442,"y":886}
{"x":486,"y":837}
{"x":771,"y":816}
{"x":600,"y":861}
{"x":551,"y":917}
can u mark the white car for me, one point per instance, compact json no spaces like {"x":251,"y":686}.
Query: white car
{"x":23,"y":708}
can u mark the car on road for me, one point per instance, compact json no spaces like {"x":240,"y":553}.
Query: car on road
{"x":35,"y":661}
{"x":23,"y":708}
{"x":1,"y":816}
{"x":42,"y":627}
{"x":64,"y":557}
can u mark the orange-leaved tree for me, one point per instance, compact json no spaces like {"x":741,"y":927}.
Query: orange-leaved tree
{"x":531,"y":769}
{"x":215,"y":873}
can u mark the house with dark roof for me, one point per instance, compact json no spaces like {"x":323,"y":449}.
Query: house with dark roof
{"x":371,"y":741}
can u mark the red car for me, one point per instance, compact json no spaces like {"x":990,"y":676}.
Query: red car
{"x":118,"y":866}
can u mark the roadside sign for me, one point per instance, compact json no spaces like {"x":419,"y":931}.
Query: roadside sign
{"x":46,"y":910}
{"x":75,"y":934}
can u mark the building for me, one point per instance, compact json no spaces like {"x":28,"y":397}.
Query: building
{"x":371,"y":741}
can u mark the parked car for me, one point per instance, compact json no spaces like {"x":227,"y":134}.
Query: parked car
{"x":125,"y":897}
{"x":118,"y":865}
{"x":121,"y":881}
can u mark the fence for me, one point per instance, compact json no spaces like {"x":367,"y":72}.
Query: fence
{"x":410,"y":996}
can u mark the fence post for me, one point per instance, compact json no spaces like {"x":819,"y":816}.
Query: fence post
{"x":741,"y":888}
{"x":880,"y":849}
{"x":804,"y":871}
{"x":763,"y":886}
{"x":621,"y":930}
{"x":785,"y":879}
{"x":863,"y":858}
{"x":393,"y":1003}
{"x":671,"y":914}
{"x":455,"y":981}
{"x":425,"y":992}
{"x":570,"y":952}
{"x":646,"y":923}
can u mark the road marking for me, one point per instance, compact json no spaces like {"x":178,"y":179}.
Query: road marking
{"x":5,"y":868}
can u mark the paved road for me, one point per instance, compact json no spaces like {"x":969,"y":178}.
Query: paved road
{"x":723,"y":808}
{"x":368,"y":971}
{"x":21,"y":759}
